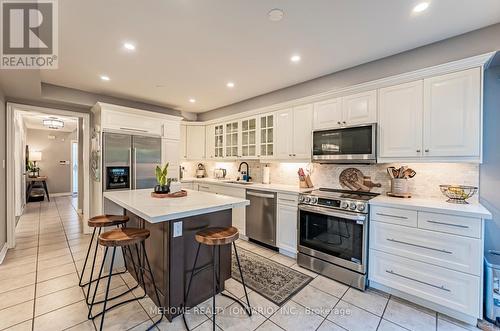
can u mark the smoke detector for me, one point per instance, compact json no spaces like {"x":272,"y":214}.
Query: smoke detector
{"x":275,"y":15}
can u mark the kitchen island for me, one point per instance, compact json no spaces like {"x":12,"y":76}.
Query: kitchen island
{"x":171,"y":248}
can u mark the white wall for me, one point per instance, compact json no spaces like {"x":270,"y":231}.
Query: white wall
{"x":3,"y":213}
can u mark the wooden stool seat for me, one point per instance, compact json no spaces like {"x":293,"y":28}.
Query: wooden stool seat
{"x":107,"y":220}
{"x":123,"y":237}
{"x":217,"y":236}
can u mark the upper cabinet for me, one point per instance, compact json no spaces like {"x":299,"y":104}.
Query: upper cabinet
{"x":210,"y":141}
{"x":232,"y":140}
{"x":400,"y":120}
{"x":195,"y":142}
{"x":294,"y":132}
{"x":267,"y":136}
{"x":360,"y":108}
{"x":249,"y":138}
{"x":452,"y":114}
{"x":435,"y":119}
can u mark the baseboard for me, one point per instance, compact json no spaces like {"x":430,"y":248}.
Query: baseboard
{"x":3,"y":252}
{"x":63,"y":194}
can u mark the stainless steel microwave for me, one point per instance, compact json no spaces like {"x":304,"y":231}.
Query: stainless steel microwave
{"x":350,"y":144}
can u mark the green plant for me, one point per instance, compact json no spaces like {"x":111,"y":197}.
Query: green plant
{"x":31,"y":167}
{"x":161,"y":175}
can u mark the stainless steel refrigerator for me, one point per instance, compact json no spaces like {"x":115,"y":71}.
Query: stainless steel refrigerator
{"x":130,"y":161}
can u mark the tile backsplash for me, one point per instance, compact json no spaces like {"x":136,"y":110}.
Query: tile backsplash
{"x":424,"y":184}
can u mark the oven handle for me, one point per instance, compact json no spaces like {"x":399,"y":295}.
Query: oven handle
{"x":334,"y":213}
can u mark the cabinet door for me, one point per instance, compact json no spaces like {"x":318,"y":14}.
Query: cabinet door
{"x":183,"y":141}
{"x":170,"y":151}
{"x":219,"y":141}
{"x":452,"y":112}
{"x":302,"y":132}
{"x":171,"y":130}
{"x":327,"y":114}
{"x":195,"y":138}
{"x":284,"y":133}
{"x":287,"y":228}
{"x":267,"y":136}
{"x":210,"y":141}
{"x":359,"y":108}
{"x":400,"y":120}
{"x":231,"y":140}
{"x":249,"y":138}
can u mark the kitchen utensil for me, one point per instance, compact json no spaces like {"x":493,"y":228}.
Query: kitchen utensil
{"x":409,"y":173}
{"x":367,"y":181}
{"x":354,"y":179}
{"x":458,"y":193}
{"x":390,"y":171}
{"x":401,"y":171}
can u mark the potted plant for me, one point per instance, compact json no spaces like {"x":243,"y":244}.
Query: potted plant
{"x":161,"y":179}
{"x":32,"y":169}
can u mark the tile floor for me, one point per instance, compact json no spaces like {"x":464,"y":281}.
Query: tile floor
{"x":39,"y":291}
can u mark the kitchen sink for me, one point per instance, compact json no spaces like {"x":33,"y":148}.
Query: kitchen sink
{"x":239,"y":182}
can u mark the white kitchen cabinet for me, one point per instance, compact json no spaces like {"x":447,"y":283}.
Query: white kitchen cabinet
{"x":284,"y":134}
{"x":195,"y":142}
{"x":249,"y":137}
{"x":294,"y":132}
{"x":171,"y":130}
{"x":452,"y":114}
{"x":400,"y":120}
{"x":219,"y":141}
{"x":188,"y":186}
{"x":231,"y":140}
{"x":287,"y":223}
{"x":210,"y":142}
{"x":327,"y":114}
{"x":183,"y":142}
{"x":132,"y":123}
{"x":170,"y":150}
{"x":360,"y":108}
{"x":267,"y":136}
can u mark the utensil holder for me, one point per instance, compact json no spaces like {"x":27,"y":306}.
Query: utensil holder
{"x":399,"y":186}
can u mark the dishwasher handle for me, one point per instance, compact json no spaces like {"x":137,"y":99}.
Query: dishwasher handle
{"x":261,"y":195}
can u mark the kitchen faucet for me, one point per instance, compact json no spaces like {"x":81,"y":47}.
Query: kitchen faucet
{"x":246,"y":177}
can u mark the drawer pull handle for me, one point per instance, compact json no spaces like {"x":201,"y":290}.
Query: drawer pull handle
{"x":449,"y":224}
{"x":442,"y":287}
{"x":394,"y":216}
{"x":419,"y":246}
{"x":290,"y":200}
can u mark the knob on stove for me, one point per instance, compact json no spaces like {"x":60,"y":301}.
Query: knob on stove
{"x":314,"y":200}
{"x":344,"y":204}
{"x":301,"y":198}
{"x":307,"y":199}
{"x":352,"y":206}
{"x":361,"y":206}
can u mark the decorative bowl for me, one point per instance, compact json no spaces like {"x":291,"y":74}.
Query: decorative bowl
{"x":458,"y":193}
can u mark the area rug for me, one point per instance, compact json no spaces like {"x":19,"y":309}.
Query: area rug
{"x":270,"y":279}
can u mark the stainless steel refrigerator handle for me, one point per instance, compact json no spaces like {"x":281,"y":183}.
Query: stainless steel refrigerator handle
{"x":328,"y":212}
{"x":130,"y":165}
{"x":135,"y":168}
{"x":261,"y":195}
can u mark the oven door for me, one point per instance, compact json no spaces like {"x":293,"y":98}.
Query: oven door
{"x":355,"y":144}
{"x":334,"y":236}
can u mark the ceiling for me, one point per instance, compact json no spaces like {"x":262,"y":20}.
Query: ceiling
{"x":191,"y":49}
{"x":34,"y":120}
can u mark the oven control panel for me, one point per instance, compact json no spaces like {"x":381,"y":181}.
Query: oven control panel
{"x":346,"y":204}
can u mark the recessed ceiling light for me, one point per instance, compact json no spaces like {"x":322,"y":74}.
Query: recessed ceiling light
{"x":230,"y":84}
{"x":275,"y":15}
{"x":105,"y":78}
{"x":129,"y":46}
{"x":192,"y":100}
{"x":420,"y":7}
{"x":295,"y":58}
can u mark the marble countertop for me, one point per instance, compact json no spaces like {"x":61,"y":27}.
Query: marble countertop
{"x":473,"y":209}
{"x":156,"y":210}
{"x":283,"y":188}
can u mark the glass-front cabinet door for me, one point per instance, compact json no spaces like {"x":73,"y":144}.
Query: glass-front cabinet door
{"x":249,"y":138}
{"x":231,"y":139}
{"x":267,"y":135}
{"x":219,"y":141}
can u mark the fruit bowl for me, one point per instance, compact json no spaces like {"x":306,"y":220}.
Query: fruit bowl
{"x":458,"y":193}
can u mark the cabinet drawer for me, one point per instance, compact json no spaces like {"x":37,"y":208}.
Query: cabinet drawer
{"x":463,"y":226}
{"x":394,"y":216}
{"x":452,"y":289}
{"x":288,"y":199}
{"x":445,"y":250}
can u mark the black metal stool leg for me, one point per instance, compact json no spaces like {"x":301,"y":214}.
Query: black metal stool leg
{"x":214,"y":286}
{"x":248,"y":309}
{"x":107,"y":288}
{"x":189,"y":285}
{"x":154,"y":285}
{"x":89,"y":316}
{"x":92,"y":269}
{"x":86,"y":259}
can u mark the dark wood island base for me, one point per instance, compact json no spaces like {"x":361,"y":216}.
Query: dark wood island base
{"x":172,"y":256}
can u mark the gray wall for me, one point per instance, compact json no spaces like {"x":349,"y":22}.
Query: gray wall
{"x":3,"y":213}
{"x":473,"y":43}
{"x":53,"y":151}
{"x":489,"y":171}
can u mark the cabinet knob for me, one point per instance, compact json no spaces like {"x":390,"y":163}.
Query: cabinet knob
{"x":344,"y":122}
{"x":294,"y":154}
{"x":418,"y":150}
{"x":427,"y":150}
{"x":339,"y":122}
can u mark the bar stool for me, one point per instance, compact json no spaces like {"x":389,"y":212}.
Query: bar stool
{"x":217,"y":237}
{"x":124,"y":238}
{"x":99,"y":222}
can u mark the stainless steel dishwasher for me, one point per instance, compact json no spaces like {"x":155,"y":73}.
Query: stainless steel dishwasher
{"x":261,"y":217}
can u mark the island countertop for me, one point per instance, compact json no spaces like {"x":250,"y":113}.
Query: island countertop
{"x":156,"y":210}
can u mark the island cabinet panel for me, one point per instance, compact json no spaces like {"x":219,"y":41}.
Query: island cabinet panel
{"x":172,"y":257}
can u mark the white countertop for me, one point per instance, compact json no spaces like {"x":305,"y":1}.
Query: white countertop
{"x":283,"y":188}
{"x":156,"y":210}
{"x":473,"y":209}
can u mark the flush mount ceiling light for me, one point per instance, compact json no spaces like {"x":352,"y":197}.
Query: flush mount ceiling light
{"x":230,"y":84}
{"x":192,"y":100}
{"x":295,"y":58}
{"x":105,"y":78}
{"x":275,"y":15}
{"x":129,"y":46}
{"x":420,"y":7}
{"x":53,"y":123}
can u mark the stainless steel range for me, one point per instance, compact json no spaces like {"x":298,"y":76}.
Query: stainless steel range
{"x":333,"y":234}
